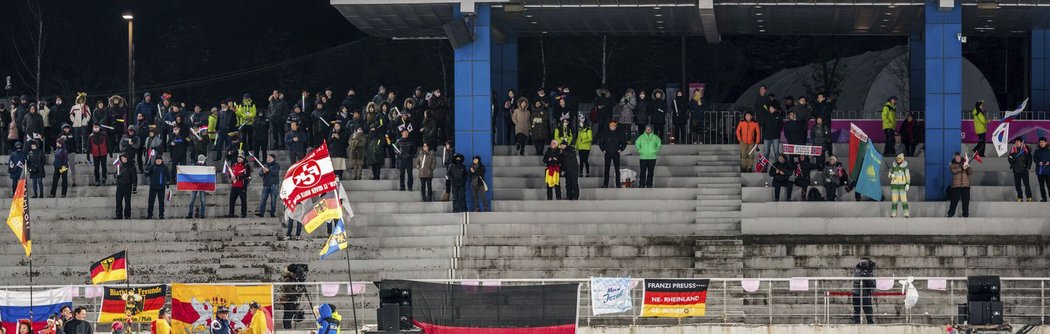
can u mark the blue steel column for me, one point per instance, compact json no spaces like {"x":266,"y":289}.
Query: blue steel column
{"x":1040,"y":70}
{"x":473,"y":94}
{"x":943,"y":95}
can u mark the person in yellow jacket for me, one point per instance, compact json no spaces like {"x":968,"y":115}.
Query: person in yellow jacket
{"x":162,"y":325}
{"x":584,"y":138}
{"x":245,"y":112}
{"x":259,"y":324}
{"x":980,"y":127}
{"x":889,"y":124}
{"x":563,"y":133}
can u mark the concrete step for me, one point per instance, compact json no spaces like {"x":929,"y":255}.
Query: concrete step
{"x":578,"y":240}
{"x":666,"y":149}
{"x":611,"y":218}
{"x":603,"y":251}
{"x":639,"y":229}
{"x":572,"y":273}
{"x":718,"y":214}
{"x":601,"y":194}
{"x":605,"y":205}
{"x":851,"y":209}
{"x":544,"y":263}
{"x":595,"y":181}
{"x":659,"y":170}
{"x":898,"y":226}
{"x":719,"y":191}
{"x":599,"y":160}
{"x":915,"y":193}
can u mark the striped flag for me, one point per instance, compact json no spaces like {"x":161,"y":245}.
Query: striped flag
{"x":18,"y":218}
{"x":761,"y":163}
{"x":109,"y":269}
{"x":195,"y":178}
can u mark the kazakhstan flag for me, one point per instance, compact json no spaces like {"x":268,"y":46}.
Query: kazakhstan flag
{"x":868,"y":179}
{"x":336,"y":241}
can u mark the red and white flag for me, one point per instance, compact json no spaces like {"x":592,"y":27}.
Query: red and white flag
{"x":310,"y":177}
{"x":761,"y":163}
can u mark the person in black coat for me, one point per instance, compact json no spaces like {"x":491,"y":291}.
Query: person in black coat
{"x":781,"y":171}
{"x":571,"y":171}
{"x":178,"y":146}
{"x":406,"y":152}
{"x":158,"y":182}
{"x":771,"y":123}
{"x":296,"y":141}
{"x":35,"y":160}
{"x":658,"y":113}
{"x":457,"y":176}
{"x":680,"y":118}
{"x":641,"y":111}
{"x":612,"y":144}
{"x":126,"y":177}
{"x":805,"y":167}
{"x":795,"y":130}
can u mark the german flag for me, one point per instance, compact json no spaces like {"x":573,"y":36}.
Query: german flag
{"x":141,"y":304}
{"x":109,"y":269}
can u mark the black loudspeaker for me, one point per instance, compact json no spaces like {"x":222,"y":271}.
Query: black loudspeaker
{"x":984,"y":313}
{"x":401,"y":299}
{"x":983,"y":289}
{"x":388,"y":317}
{"x":405,"y":317}
{"x":458,"y":33}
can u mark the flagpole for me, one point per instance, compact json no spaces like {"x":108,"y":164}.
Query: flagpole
{"x":350,"y":276}
{"x":127,"y":281}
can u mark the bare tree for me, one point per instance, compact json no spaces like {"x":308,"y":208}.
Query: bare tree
{"x":34,"y":25}
{"x":826,"y":79}
{"x":901,"y":73}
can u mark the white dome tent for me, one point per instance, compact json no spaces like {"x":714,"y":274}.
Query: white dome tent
{"x":868,"y":80}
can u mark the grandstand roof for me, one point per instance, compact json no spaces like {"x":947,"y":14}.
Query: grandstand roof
{"x":710,"y":18}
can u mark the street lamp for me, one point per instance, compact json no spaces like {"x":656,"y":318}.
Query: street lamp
{"x":131,"y":58}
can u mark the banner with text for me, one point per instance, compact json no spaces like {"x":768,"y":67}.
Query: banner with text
{"x":814,"y":150}
{"x":675,"y":298}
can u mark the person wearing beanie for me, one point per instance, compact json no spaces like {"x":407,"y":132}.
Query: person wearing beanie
{"x":552,"y":174}
{"x":246,"y":114}
{"x":834,"y":176}
{"x":1041,"y":156}
{"x":611,"y":143}
{"x":202,"y":160}
{"x":1020,"y":160}
{"x":80,"y":116}
{"x":70,"y":144}
{"x":126,"y":179}
{"x":240,"y":175}
{"x":457,"y":176}
{"x":16,"y":163}
{"x":118,"y":327}
{"x":960,"y":187}
{"x":36,"y":160}
{"x":159,"y":178}
{"x":900,"y":183}
{"x":61,"y":165}
{"x":648,"y":146}
{"x":178,"y":145}
{"x":271,"y":174}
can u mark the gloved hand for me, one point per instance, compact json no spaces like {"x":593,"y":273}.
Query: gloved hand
{"x":907,"y":187}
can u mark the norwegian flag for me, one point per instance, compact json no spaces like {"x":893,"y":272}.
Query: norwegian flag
{"x":977,"y":157}
{"x":798,"y":169}
{"x":761,"y":163}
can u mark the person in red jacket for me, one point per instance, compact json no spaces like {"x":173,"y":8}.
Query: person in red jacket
{"x":98,"y":142}
{"x":240,"y":174}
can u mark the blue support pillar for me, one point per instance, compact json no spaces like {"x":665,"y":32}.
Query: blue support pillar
{"x":916,"y":72}
{"x":943,"y":95}
{"x":473,"y":94}
{"x":1040,"y":70}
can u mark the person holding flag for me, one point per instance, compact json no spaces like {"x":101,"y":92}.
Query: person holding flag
{"x":960,"y":188}
{"x":781,"y":172}
{"x":1042,"y":167}
{"x":240,"y":174}
{"x":748,"y":134}
{"x":900,"y":183}
{"x":16,"y":164}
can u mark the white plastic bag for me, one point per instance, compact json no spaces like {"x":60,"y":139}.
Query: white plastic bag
{"x":911,"y":295}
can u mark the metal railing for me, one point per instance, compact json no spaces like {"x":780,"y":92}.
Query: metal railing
{"x":812,"y":300}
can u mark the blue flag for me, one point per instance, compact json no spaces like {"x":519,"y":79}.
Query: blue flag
{"x":336,"y":241}
{"x":868,"y":183}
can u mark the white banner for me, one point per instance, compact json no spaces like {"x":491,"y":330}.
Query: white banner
{"x":610,"y":295}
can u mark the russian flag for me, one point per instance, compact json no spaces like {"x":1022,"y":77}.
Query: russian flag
{"x":196,"y":178}
{"x":14,"y":306}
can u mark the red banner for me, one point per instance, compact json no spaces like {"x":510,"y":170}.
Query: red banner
{"x":308,"y":178}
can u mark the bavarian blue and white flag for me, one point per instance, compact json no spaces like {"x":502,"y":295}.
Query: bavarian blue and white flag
{"x":610,"y":295}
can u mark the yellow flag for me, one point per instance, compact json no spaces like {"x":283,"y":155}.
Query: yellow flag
{"x":18,"y":219}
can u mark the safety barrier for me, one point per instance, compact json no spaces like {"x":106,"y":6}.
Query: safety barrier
{"x":801,"y":300}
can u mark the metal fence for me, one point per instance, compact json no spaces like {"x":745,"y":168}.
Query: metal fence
{"x":759,"y":301}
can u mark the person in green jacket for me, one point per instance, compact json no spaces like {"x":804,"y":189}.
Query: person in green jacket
{"x":889,"y":124}
{"x":583,"y":143}
{"x":980,"y":127}
{"x":245,"y":112}
{"x":648,"y":145}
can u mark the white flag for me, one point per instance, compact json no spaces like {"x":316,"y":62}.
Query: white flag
{"x":610,"y":295}
{"x":1001,"y":138}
